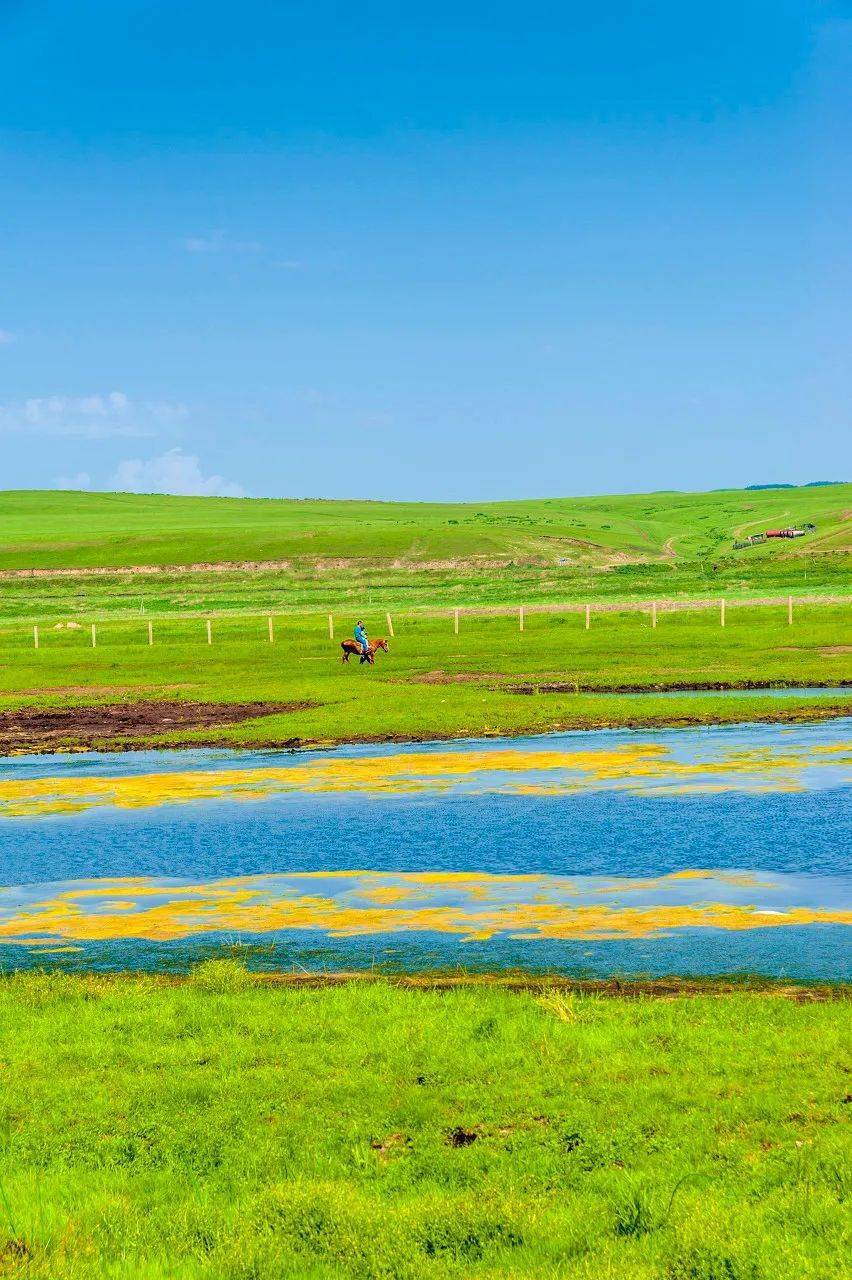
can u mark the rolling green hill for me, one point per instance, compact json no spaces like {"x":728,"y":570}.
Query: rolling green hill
{"x":47,"y":530}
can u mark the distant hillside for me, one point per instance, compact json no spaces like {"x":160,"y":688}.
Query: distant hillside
{"x":811,"y":484}
{"x":48,"y":529}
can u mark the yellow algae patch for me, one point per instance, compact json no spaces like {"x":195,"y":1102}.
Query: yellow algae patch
{"x":37,"y":944}
{"x":386,"y":896}
{"x":389,"y":903}
{"x":543,"y":772}
{"x":786,"y":785}
{"x":747,"y":878}
{"x":740,"y":879}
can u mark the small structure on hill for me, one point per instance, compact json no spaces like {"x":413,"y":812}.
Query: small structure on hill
{"x":798,"y":531}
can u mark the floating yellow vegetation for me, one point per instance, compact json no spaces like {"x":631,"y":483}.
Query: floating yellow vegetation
{"x":649,"y":767}
{"x":341,"y":903}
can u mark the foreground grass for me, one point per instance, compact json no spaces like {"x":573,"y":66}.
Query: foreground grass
{"x":436,"y":684}
{"x":230,"y":1129}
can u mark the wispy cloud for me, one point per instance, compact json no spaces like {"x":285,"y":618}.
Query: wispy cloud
{"x":80,"y":480}
{"x":172,"y":472}
{"x":220,"y":242}
{"x":102,"y":416}
{"x":6,"y":336}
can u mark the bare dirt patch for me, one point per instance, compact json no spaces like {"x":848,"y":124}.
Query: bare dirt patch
{"x":461,"y":677}
{"x":460,"y":1137}
{"x":49,"y":728}
{"x":391,"y":1145}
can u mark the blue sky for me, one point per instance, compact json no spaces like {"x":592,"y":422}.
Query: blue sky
{"x":359,"y":251}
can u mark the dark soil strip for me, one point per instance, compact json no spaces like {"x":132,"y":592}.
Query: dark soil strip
{"x":524,"y":684}
{"x":671,"y":686}
{"x":48,"y":728}
{"x":140,"y":726}
{"x":671,"y":988}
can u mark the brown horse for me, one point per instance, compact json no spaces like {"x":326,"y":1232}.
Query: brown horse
{"x":351,"y":647}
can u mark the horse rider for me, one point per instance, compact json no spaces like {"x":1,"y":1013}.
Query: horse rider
{"x":361,"y":639}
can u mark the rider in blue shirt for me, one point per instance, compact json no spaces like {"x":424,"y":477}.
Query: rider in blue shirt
{"x":361,"y":638}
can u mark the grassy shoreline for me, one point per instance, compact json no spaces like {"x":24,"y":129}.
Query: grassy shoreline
{"x":808,"y":712}
{"x":228,"y":973}
{"x":239,"y":1129}
{"x":489,"y":680}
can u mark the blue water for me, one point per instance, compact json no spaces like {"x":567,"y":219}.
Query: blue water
{"x":802,"y":836}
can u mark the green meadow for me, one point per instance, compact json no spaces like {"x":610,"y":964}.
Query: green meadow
{"x":233,"y":1129}
{"x":491,"y":678}
{"x":406,"y":555}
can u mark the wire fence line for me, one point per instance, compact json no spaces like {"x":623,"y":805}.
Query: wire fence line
{"x":455,"y":616}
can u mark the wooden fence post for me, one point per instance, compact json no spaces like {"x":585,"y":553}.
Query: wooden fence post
{"x":521,"y":618}
{"x":94,"y":635}
{"x":390,"y":625}
{"x":35,"y":636}
{"x":269,"y":629}
{"x":790,"y":611}
{"x":456,"y":621}
{"x":722,"y":614}
{"x":588,"y":616}
{"x":150,"y":632}
{"x":331,"y":626}
{"x":209,"y":632}
{"x":653,"y":613}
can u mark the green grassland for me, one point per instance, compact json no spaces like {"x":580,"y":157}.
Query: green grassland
{"x":231,"y":1129}
{"x":361,"y":586}
{"x":434,"y":683}
{"x":78,"y":530}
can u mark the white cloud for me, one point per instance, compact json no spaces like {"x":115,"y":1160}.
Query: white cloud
{"x":172,"y":472}
{"x":6,"y":336}
{"x":82,"y":480}
{"x":101,"y":416}
{"x":163,"y":411}
{"x":219,"y":242}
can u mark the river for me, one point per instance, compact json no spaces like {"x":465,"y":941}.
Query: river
{"x":716,"y":850}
